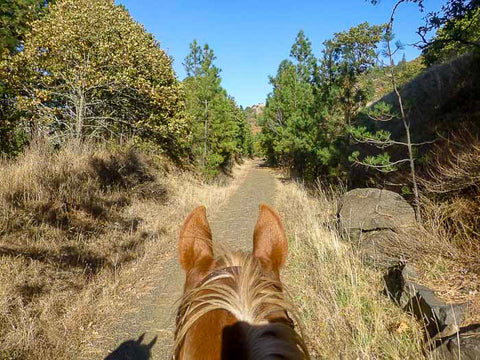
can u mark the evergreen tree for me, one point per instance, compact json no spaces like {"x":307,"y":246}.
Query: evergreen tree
{"x":345,"y":58}
{"x":288,"y":126}
{"x":304,"y":126}
{"x":220,"y":129}
{"x":301,"y":51}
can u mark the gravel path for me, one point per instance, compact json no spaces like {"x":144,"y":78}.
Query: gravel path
{"x":232,"y":227}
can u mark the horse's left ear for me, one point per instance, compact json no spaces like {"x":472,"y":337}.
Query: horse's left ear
{"x":195,"y":246}
{"x":269,"y":240}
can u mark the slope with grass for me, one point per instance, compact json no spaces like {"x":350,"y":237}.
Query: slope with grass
{"x":345,"y":314}
{"x":80,"y":230}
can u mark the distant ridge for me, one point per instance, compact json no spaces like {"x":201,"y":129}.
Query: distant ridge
{"x":254,"y":112}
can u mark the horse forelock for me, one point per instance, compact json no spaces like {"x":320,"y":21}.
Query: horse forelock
{"x":239,"y":286}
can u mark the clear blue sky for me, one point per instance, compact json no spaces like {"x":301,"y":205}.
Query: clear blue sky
{"x":251,"y":38}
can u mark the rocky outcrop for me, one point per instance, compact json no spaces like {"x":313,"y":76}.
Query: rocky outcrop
{"x":440,"y":318}
{"x":254,"y":113}
{"x":375,"y":218}
{"x":378,"y":221}
{"x":364,"y":210}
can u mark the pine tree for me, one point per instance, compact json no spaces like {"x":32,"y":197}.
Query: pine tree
{"x":219,"y":130}
{"x":288,"y":127}
{"x":345,"y":57}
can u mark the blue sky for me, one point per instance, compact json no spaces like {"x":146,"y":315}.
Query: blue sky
{"x":251,"y":38}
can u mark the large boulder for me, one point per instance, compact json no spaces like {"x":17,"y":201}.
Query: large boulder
{"x":379,"y":248}
{"x":364,"y":210}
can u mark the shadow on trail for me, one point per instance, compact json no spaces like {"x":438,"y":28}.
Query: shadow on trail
{"x":133,"y":350}
{"x":263,"y":163}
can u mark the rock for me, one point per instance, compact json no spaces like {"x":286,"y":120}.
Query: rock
{"x":409,"y":272}
{"x":421,"y":301}
{"x":368,"y":209}
{"x":435,"y":313}
{"x":375,"y":248}
{"x":465,"y":345}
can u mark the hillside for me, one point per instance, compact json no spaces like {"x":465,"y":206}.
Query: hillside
{"x":377,"y":78}
{"x":444,"y":98}
{"x":441,"y":102}
{"x":254,"y":113}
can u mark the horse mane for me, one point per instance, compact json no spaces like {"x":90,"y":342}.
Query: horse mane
{"x":244,"y":292}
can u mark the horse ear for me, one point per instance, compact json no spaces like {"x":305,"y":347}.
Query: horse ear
{"x":269,"y":240}
{"x":195,"y":239}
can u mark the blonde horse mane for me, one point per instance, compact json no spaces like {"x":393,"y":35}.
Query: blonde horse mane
{"x":240,"y":288}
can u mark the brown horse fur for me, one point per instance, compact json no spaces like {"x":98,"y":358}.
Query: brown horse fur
{"x":233,"y":307}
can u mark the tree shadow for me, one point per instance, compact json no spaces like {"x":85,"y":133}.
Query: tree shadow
{"x":70,"y":257}
{"x":264,"y":164}
{"x":133,"y":350}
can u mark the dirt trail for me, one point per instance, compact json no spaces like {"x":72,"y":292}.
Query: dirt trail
{"x":232,"y":226}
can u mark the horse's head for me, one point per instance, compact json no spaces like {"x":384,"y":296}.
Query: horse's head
{"x":233,"y":305}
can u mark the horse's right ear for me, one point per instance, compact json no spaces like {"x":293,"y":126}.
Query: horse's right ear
{"x":269,"y":240}
{"x":195,"y":244}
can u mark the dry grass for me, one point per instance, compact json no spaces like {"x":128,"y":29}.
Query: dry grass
{"x":450,"y":240}
{"x":452,"y":191}
{"x":344,"y":312}
{"x":74,"y":226}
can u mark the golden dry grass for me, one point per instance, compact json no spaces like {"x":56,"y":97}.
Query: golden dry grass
{"x":445,"y":249}
{"x":75,"y":227}
{"x":451,"y":200}
{"x":448,"y":260}
{"x":344,"y":312}
{"x":450,"y":240}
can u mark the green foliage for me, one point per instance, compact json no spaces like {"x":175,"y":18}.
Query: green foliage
{"x":361,"y":134}
{"x":380,"y":162}
{"x":457,"y":36}
{"x":457,"y":27}
{"x":406,"y":191}
{"x":15,"y":16}
{"x":220,"y":128}
{"x":381,"y":83}
{"x":288,"y":127}
{"x":304,"y":125}
{"x":345,"y":58}
{"x":381,"y":111}
{"x":311,"y":118}
{"x":87,"y":69}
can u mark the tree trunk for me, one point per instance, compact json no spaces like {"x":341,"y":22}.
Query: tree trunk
{"x":406,"y":125}
{"x":80,"y":116}
{"x":205,"y":134}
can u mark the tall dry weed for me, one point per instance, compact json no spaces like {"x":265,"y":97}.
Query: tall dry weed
{"x":451,"y":191}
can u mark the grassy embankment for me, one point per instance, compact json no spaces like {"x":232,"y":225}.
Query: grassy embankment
{"x":340,"y":300}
